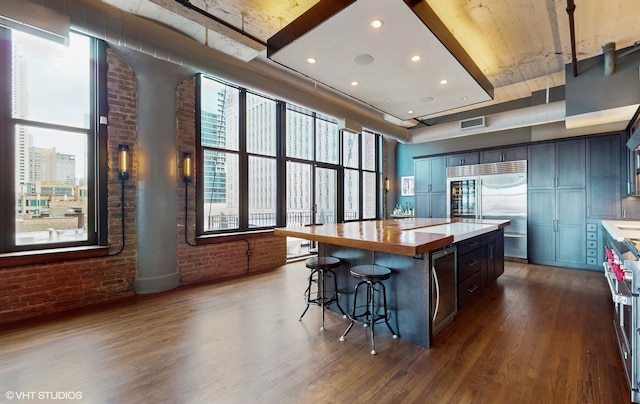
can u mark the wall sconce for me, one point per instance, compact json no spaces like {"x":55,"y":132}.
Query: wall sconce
{"x":387,"y":185}
{"x":123,"y":162}
{"x":186,"y":167}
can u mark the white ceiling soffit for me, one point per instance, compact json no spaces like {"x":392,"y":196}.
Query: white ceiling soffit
{"x":524,"y":117}
{"x":35,"y":19}
{"x":354,"y":58}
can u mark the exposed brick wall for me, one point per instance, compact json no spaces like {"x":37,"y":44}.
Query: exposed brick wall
{"x":212,"y":261}
{"x":32,"y":290}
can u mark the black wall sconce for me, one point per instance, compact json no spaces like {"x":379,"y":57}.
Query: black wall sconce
{"x":186,"y":167}
{"x":387,"y":185}
{"x":123,"y":174}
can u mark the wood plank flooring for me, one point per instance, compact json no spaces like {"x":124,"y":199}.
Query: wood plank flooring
{"x":538,"y":335}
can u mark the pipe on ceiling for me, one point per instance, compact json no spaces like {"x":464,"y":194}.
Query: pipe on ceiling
{"x":187,"y":4}
{"x":571,"y":8}
{"x":609,"y":53}
{"x":519,"y":118}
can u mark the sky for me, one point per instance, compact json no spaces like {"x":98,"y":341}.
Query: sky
{"x":58,"y":91}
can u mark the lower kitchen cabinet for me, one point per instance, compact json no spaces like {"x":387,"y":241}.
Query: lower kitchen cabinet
{"x":480,"y":262}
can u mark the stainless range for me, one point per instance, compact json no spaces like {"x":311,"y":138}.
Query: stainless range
{"x":622,"y":271}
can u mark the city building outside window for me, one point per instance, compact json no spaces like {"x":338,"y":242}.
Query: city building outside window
{"x":49,"y":138}
{"x":269,"y":163}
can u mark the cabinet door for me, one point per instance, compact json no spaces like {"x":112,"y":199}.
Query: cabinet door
{"x":571,"y":226}
{"x":422,"y":175}
{"x":541,"y":235}
{"x":439,"y":175}
{"x":462,"y":159}
{"x":541,"y":166}
{"x":571,"y":166}
{"x":491,"y":156}
{"x":438,"y":204}
{"x":506,"y":154}
{"x":604,"y":163}
{"x":422,"y":202}
{"x":514,"y":153}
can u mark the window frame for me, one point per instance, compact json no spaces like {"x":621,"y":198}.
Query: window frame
{"x":282,"y":159}
{"x":97,"y":159}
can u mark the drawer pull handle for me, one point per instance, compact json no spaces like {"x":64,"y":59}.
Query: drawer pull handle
{"x":472,"y":263}
{"x":475,"y":243}
{"x":473,"y":288}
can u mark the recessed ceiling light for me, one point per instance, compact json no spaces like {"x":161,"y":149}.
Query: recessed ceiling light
{"x":311,"y":60}
{"x":377,"y":23}
{"x":387,"y":99}
{"x":425,"y":99}
{"x":443,"y":81}
{"x":415,"y":58}
{"x":464,"y":98}
{"x":354,"y":83}
{"x":410,"y":111}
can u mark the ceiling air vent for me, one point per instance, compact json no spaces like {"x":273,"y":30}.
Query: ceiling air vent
{"x":472,"y":123}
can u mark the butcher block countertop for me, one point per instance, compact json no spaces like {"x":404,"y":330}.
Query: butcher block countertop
{"x":398,"y":236}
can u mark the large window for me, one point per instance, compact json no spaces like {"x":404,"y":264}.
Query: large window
{"x":268,"y":163}
{"x":49,"y":139}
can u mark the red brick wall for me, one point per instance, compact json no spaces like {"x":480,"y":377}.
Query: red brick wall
{"x":213,"y":261}
{"x":32,"y":290}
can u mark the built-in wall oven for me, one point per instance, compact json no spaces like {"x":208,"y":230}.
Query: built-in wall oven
{"x":622,"y":271}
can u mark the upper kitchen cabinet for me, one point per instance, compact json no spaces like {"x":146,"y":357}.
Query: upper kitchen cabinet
{"x":557,"y":165}
{"x":506,"y":154}
{"x":430,"y":175}
{"x":604,"y":177}
{"x":463,"y":159}
{"x":430,"y":183}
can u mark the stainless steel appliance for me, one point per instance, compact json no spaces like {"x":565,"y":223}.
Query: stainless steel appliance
{"x":622,"y":271}
{"x":492,"y":191}
{"x":443,"y":288}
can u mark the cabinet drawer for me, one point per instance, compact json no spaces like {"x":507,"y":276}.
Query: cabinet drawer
{"x":592,"y":261}
{"x":592,"y":252}
{"x":592,"y":236}
{"x":592,"y":227}
{"x":469,"y":289}
{"x":469,"y":263}
{"x":592,"y":244}
{"x":469,"y":244}
{"x":489,"y":237}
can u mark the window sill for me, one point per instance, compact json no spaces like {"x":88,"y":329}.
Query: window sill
{"x":21,"y":258}
{"x":228,"y":237}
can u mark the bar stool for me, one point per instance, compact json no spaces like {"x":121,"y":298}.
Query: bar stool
{"x":321,"y":267}
{"x":371,"y":276}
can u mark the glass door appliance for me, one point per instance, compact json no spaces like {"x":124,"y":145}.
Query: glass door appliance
{"x":492,"y":191}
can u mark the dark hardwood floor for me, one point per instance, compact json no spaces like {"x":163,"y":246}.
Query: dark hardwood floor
{"x":538,"y":335}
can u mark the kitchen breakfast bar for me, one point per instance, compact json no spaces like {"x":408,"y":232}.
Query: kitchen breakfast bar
{"x":437,"y":265}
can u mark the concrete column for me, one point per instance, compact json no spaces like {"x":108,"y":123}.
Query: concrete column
{"x":156,"y":170}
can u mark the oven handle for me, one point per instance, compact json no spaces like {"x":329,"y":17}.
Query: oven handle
{"x":615,"y":295}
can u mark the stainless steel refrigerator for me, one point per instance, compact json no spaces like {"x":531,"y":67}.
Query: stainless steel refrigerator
{"x":492,"y":191}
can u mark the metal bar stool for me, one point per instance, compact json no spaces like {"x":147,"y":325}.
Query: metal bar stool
{"x":371,"y":276}
{"x":321,"y":267}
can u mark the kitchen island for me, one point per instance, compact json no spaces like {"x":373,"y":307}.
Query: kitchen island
{"x":407,"y":247}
